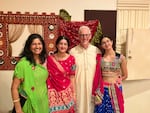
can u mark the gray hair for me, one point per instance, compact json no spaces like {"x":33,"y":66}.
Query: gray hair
{"x":84,"y":27}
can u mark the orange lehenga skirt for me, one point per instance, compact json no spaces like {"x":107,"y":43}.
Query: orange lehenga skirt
{"x":61,"y":102}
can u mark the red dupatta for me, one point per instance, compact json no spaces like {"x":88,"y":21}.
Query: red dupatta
{"x":97,"y":81}
{"x":57,"y":76}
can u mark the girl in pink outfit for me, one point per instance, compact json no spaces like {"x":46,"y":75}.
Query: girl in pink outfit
{"x":61,"y":85}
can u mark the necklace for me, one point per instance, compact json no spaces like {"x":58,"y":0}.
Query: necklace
{"x":59,"y":57}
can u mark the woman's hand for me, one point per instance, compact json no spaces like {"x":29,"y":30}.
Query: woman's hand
{"x":19,"y":111}
{"x":97,"y":100}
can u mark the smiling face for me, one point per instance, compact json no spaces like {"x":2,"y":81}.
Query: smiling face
{"x":62,"y":46}
{"x":106,"y":43}
{"x":85,"y":36}
{"x":36,"y":46}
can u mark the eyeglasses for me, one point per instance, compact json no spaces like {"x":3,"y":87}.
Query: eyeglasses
{"x":84,"y":35}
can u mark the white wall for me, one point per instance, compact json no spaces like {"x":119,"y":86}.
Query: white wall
{"x":5,"y":94}
{"x":74,"y":7}
{"x":136,"y":92}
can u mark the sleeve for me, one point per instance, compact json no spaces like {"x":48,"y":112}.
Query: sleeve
{"x":122,"y":57}
{"x":19,"y":70}
{"x":73,"y":67}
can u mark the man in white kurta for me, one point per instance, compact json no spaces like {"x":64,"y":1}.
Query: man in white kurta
{"x":85,"y":55}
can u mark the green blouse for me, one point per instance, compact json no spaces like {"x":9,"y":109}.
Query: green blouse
{"x":33,"y":86}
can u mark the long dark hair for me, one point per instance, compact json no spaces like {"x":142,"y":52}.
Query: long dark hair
{"x":59,"y":39}
{"x":28,"y":53}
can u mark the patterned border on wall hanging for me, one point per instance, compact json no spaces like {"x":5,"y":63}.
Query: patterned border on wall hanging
{"x":48,"y":21}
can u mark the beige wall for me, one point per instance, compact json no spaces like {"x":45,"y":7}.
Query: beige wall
{"x":136,"y":92}
{"x":74,"y":7}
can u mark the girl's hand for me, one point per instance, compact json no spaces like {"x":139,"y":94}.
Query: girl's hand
{"x":97,"y":99}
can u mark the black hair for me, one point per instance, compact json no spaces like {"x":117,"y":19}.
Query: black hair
{"x":104,"y":36}
{"x":101,"y":38}
{"x":59,"y":39}
{"x":28,"y":53}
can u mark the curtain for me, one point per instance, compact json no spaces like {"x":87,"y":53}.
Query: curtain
{"x":35,"y":29}
{"x":15,"y":31}
{"x":130,"y":15}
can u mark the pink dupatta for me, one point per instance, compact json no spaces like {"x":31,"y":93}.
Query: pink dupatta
{"x":98,"y":88}
{"x":120,"y":99}
{"x":57,"y":75}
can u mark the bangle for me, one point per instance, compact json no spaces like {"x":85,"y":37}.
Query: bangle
{"x":16,"y":100}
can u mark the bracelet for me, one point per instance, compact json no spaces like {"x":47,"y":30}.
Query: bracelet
{"x":16,"y":100}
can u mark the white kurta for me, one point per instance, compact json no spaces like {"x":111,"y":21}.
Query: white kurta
{"x":85,"y":70}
